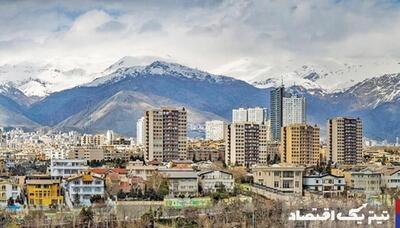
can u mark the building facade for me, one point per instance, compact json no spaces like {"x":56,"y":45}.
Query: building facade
{"x":43,"y":192}
{"x":246,"y":144}
{"x":327,"y":185}
{"x":215,"y":130}
{"x":300,"y":144}
{"x":66,"y":167}
{"x":165,"y":134}
{"x":215,"y":180}
{"x":81,"y":188}
{"x":8,"y":189}
{"x":140,"y":130}
{"x":293,"y":110}
{"x":281,"y":178}
{"x":345,"y":137}
{"x":276,"y":103}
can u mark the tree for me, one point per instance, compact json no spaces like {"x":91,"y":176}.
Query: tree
{"x":86,"y":215}
{"x":10,"y":202}
{"x":239,"y":172}
{"x":77,"y":200}
{"x":155,"y":181}
{"x":121,"y":194}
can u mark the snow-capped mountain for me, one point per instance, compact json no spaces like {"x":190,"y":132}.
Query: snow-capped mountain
{"x":41,"y":80}
{"x":157,"y":68}
{"x":375,"y":91}
{"x":115,"y":100}
{"x":328,"y":75}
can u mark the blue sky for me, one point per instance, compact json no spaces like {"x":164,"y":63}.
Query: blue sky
{"x":230,"y":37}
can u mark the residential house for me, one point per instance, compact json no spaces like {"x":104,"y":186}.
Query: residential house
{"x":327,"y":185}
{"x":43,"y":191}
{"x":84,"y":186}
{"x":282,"y":178}
{"x":214,"y":180}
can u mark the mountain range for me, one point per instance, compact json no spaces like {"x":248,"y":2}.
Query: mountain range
{"x":117,"y":97}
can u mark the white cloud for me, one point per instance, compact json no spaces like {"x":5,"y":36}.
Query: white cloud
{"x":241,"y":38}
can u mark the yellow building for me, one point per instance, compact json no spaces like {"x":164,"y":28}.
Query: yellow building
{"x":43,"y":192}
{"x":300,"y":144}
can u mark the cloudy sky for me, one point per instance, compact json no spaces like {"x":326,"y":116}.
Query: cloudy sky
{"x":241,"y":38}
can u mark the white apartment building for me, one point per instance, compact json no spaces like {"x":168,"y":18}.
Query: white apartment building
{"x":140,"y":129}
{"x":256,"y":115}
{"x":215,"y":130}
{"x":181,"y":182}
{"x":67,"y":167}
{"x":293,"y":110}
{"x":246,"y":144}
{"x":214,"y":180}
{"x":281,"y":178}
{"x":239,"y":115}
{"x":8,"y":190}
{"x":84,"y":186}
{"x":365,"y":181}
{"x":390,"y":177}
{"x":327,"y":184}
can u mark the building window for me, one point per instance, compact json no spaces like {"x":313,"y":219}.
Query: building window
{"x":276,"y":184}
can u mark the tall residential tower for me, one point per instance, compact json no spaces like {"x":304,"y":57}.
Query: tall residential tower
{"x":345,"y":140}
{"x":165,"y":134}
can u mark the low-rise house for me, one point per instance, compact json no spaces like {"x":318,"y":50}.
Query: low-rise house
{"x":181,"y":182}
{"x":390,"y":177}
{"x":8,"y":189}
{"x":81,"y":188}
{"x":365,"y":182}
{"x":67,"y":167}
{"x":139,"y":170}
{"x":214,"y":180}
{"x":43,"y":191}
{"x":327,"y":185}
{"x":280,"y":178}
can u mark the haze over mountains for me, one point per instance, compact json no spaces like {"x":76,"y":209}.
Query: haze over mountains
{"x":117,"y":97}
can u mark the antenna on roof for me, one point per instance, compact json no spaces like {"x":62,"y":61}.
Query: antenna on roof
{"x":281,"y":81}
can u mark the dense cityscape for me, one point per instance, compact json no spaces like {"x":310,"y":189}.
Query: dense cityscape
{"x":251,"y":171}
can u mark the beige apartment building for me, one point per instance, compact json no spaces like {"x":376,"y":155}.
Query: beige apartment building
{"x":300,"y":144}
{"x":345,"y":140}
{"x":282,"y":178}
{"x":165,"y":134}
{"x":246,"y":144}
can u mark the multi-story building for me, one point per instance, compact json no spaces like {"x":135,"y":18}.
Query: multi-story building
{"x":137,"y":169}
{"x":43,"y":191}
{"x":345,"y":140}
{"x":66,"y":167}
{"x":239,"y":115}
{"x":181,"y":182}
{"x":300,"y":144}
{"x":246,"y":143}
{"x":282,"y":178}
{"x":390,"y":177}
{"x":255,"y":115}
{"x":293,"y":110}
{"x":88,"y":153}
{"x":327,"y":185}
{"x":81,"y":188}
{"x":8,"y":189}
{"x":140,"y":130}
{"x":166,"y":134}
{"x":215,"y":130}
{"x":215,"y":180}
{"x":365,"y":182}
{"x":88,"y":139}
{"x":206,"y":150}
{"x":276,"y":103}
